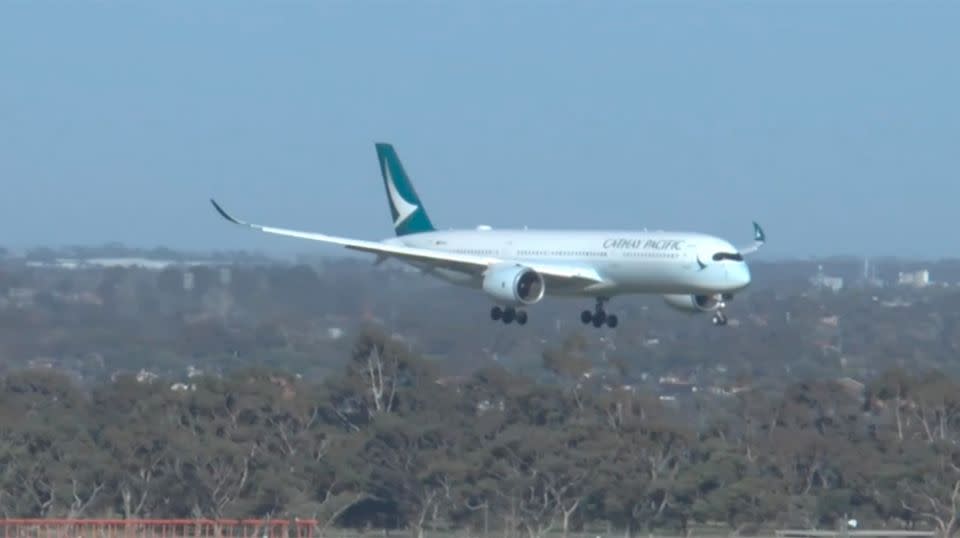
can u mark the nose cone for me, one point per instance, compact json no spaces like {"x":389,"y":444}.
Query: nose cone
{"x":739,"y":276}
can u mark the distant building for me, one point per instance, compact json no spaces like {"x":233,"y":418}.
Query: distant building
{"x":672,"y":386}
{"x":870,"y":277}
{"x":728,"y":390}
{"x":226,"y":276}
{"x":484,"y":406}
{"x":917,"y":279}
{"x":145,"y":376}
{"x":832,"y":321}
{"x":58,"y":264}
{"x":125,"y":262}
{"x":852,"y":386}
{"x":821,"y":280}
{"x":21,"y":297}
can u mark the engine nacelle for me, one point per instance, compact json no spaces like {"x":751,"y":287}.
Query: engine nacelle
{"x":694,"y":303}
{"x":514,"y":284}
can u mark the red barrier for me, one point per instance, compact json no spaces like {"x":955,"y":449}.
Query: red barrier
{"x":156,"y":528}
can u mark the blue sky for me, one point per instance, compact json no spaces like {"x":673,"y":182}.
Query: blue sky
{"x":836,"y":125}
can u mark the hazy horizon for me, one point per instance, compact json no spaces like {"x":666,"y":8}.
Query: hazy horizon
{"x":334,"y":253}
{"x":830,"y":124}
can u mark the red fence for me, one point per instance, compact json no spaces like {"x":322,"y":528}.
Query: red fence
{"x":156,"y":528}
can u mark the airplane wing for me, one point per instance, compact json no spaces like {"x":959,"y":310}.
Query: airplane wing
{"x":448,"y":260}
{"x":759,"y":238}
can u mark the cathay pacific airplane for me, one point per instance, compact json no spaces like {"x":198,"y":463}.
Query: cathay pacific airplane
{"x":517,"y":268}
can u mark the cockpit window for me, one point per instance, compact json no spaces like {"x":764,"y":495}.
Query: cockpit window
{"x":736,"y":256}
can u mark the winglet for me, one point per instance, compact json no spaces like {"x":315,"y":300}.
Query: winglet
{"x":759,"y":238}
{"x":224,"y":214}
{"x":758,"y":234}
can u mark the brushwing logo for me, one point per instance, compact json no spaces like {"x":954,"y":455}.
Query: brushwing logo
{"x":404,"y":208}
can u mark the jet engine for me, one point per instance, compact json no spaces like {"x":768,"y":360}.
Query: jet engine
{"x":514,"y":284}
{"x":694,"y":303}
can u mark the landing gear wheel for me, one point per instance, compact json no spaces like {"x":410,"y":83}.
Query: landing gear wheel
{"x":719,"y":319}
{"x":598,"y":317}
{"x":508,"y":315}
{"x":522,"y":317}
{"x":496,"y":313}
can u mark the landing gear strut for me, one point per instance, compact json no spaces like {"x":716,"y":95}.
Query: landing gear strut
{"x":719,"y":317}
{"x":598,"y":317}
{"x":508,"y":315}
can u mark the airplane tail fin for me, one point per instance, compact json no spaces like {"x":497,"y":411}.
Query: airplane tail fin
{"x":409,"y":215}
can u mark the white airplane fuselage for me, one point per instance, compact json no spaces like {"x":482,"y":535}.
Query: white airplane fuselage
{"x":631,"y":262}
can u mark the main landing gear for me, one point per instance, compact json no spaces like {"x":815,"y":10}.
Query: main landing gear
{"x":508,"y":315}
{"x":598,"y":317}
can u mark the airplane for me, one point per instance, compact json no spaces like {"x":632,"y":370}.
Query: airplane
{"x":517,"y":268}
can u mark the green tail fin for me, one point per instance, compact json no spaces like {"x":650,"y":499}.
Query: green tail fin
{"x":409,"y":216}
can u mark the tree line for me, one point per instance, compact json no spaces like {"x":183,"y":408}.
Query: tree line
{"x":97,"y":321}
{"x":390,"y":444}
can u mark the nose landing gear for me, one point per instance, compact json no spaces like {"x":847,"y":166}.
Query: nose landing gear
{"x":598,"y":317}
{"x":719,"y":317}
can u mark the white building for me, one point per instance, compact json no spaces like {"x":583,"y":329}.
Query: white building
{"x":822,"y":280}
{"x":917,"y":279}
